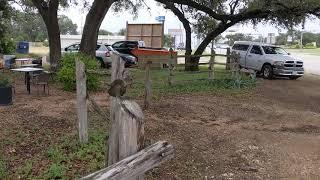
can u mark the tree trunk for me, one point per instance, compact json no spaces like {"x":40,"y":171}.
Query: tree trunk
{"x":186,"y":25}
{"x":188,"y":60}
{"x":92,"y":25}
{"x":201,"y":48}
{"x":54,"y":42}
{"x":49,"y":14}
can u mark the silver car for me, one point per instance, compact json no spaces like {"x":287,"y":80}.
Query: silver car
{"x":102,"y":53}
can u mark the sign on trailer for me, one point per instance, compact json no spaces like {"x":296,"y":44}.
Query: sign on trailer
{"x":151,"y":34}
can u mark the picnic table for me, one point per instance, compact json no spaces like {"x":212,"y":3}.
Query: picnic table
{"x":29,"y":65}
{"x":27,"y":71}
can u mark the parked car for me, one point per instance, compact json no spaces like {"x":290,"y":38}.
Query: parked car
{"x":126,"y":47}
{"x":102,"y":53}
{"x":269,"y":60}
{"x":129,"y":59}
{"x":181,"y":47}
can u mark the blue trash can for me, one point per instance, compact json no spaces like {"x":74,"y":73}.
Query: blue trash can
{"x":23,"y":47}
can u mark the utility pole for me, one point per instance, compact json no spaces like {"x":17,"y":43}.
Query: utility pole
{"x":301,"y":40}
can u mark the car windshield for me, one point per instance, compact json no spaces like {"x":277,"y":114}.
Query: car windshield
{"x":274,"y":50}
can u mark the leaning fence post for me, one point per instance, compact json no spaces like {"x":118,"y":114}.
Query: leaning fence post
{"x":82,"y":110}
{"x":170,"y":78}
{"x":228,"y":59}
{"x":211,"y":64}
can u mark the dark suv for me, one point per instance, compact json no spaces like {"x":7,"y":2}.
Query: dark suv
{"x":126,"y":47}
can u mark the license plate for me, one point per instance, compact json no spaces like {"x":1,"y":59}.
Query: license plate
{"x":294,"y":73}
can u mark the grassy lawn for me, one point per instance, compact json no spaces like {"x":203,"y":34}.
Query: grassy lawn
{"x":305,"y":51}
{"x":186,"y":82}
{"x":65,"y":158}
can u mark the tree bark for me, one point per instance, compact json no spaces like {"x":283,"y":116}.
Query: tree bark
{"x":188,"y":60}
{"x":49,"y":14}
{"x":211,"y":36}
{"x":92,"y":25}
{"x":186,"y":25}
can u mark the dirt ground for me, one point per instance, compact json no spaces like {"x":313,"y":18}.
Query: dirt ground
{"x":270,"y":133}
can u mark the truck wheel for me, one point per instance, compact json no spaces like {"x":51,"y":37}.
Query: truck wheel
{"x":267,"y":71}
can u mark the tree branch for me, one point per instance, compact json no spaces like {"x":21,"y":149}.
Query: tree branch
{"x":199,"y":7}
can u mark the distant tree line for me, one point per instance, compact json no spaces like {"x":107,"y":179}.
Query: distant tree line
{"x":29,"y":26}
{"x":293,"y":38}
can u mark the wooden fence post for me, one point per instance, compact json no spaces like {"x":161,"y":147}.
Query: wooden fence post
{"x":82,"y":110}
{"x":170,"y":78}
{"x":148,"y":86}
{"x":228,"y":59}
{"x":235,"y":60}
{"x":211,"y":64}
{"x":113,"y":143}
{"x":127,"y":124}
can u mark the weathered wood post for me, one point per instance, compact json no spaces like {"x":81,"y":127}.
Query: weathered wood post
{"x":82,"y":110}
{"x":228,"y":59}
{"x":170,"y":78}
{"x":235,"y":68}
{"x":148,"y":86}
{"x":127,"y":124}
{"x":211,"y":64}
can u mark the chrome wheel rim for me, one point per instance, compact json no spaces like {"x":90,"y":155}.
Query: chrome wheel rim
{"x":266,"y":72}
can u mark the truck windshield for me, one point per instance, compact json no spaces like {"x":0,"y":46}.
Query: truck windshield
{"x":274,"y":50}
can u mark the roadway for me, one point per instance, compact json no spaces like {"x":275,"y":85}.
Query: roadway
{"x":311,"y":62}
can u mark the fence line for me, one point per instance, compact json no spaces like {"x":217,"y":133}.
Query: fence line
{"x":126,"y":135}
{"x":232,"y":65}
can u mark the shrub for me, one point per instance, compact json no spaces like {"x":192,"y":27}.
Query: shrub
{"x":310,"y":46}
{"x":4,"y":80}
{"x":7,"y":46}
{"x":67,"y":72}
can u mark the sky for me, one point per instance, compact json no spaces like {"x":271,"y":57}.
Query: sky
{"x":115,"y":21}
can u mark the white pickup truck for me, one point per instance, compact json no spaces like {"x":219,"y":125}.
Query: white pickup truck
{"x":269,"y":60}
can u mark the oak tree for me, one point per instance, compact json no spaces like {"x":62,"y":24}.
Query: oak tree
{"x":230,"y":12}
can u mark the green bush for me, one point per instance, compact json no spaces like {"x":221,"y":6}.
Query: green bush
{"x":5,"y":80}
{"x":7,"y":46}
{"x":310,"y":46}
{"x":67,"y":72}
{"x":294,"y":46}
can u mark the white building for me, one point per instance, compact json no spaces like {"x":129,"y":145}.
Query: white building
{"x":67,"y":40}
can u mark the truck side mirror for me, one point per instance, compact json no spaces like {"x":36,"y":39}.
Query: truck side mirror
{"x":65,"y":49}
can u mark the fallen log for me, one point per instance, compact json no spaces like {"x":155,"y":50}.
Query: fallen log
{"x":136,"y":164}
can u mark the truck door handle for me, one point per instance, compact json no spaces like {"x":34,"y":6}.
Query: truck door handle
{"x":249,"y":56}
